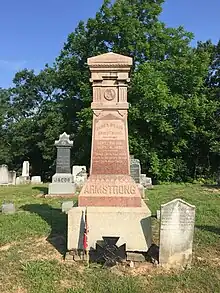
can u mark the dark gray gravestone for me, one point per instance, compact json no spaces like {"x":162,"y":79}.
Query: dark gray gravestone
{"x":63,"y":145}
{"x":62,"y":182}
{"x":135,"y":169}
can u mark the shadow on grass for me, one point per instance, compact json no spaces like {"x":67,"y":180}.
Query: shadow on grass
{"x":211,"y":186}
{"x":57,"y":221}
{"x":212,"y":229}
{"x":42,"y":189}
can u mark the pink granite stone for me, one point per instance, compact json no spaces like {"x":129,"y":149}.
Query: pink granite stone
{"x":110,"y":190}
{"x":110,"y":183}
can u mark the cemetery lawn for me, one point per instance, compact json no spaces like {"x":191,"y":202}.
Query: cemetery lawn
{"x":32,"y":244}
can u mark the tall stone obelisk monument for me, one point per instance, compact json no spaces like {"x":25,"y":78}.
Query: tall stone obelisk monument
{"x":110,"y":195}
{"x":110,"y":183}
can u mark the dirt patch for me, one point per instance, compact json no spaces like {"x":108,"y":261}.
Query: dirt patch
{"x":5,"y":247}
{"x":212,"y":190}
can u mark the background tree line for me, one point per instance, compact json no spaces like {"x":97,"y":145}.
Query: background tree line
{"x":174,"y":96}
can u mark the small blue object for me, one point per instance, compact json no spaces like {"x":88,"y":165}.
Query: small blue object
{"x":8,"y":208}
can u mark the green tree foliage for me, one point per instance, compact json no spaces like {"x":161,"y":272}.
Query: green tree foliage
{"x":174,"y":96}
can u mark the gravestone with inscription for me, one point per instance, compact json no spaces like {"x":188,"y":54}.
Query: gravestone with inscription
{"x":111,"y":195}
{"x":110,"y":183}
{"x":135,"y":168}
{"x":62,"y":181}
{"x":177,"y":219}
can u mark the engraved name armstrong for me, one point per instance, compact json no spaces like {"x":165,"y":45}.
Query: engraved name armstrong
{"x":110,"y":189}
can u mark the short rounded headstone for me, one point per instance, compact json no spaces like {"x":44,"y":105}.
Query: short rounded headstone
{"x":8,"y":208}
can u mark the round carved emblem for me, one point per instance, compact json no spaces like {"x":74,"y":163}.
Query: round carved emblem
{"x":109,"y":94}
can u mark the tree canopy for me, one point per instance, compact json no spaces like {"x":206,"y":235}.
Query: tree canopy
{"x":174,"y":96}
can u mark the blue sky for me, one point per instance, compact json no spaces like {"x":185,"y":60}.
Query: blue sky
{"x":33,"y":32}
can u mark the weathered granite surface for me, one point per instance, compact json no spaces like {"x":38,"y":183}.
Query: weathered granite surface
{"x":176,"y":233}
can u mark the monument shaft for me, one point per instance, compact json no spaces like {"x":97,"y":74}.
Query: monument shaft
{"x":110,"y":183}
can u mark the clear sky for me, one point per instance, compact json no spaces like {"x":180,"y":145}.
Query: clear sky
{"x":33,"y":31}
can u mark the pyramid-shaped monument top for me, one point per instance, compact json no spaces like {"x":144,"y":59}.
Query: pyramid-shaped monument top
{"x":109,"y":59}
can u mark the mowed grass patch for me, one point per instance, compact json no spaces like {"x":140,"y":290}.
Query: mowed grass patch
{"x":35,"y":216}
{"x":32,"y":243}
{"x":207,"y":224}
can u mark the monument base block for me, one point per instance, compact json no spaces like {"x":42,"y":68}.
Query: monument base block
{"x":131,"y":224}
{"x":110,"y":191}
{"x":62,"y":184}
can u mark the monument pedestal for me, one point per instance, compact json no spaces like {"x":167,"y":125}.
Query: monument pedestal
{"x":131,"y":224}
{"x":62,"y":185}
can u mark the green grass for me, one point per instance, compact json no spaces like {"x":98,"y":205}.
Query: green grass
{"x":32,"y":243}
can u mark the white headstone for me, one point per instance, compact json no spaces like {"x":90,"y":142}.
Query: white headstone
{"x":76,"y":170}
{"x":81,"y":178}
{"x":176,"y":233}
{"x":17,"y":181}
{"x":12,"y":177}
{"x":4,"y":174}
{"x":66,"y":206}
{"x":8,"y":208}
{"x":36,"y":180}
{"x":25,"y":169}
{"x":145,"y":181}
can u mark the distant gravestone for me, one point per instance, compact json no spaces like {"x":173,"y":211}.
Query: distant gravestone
{"x":145,"y":181}
{"x":4,"y":174}
{"x":66,"y":206}
{"x":25,"y":169}
{"x":12,"y":177}
{"x":36,"y":180}
{"x":17,"y":181}
{"x":8,"y":208}
{"x":142,"y":190}
{"x":81,"y":178}
{"x":135,"y":169}
{"x":62,"y":181}
{"x":176,"y":233}
{"x":76,"y":169}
